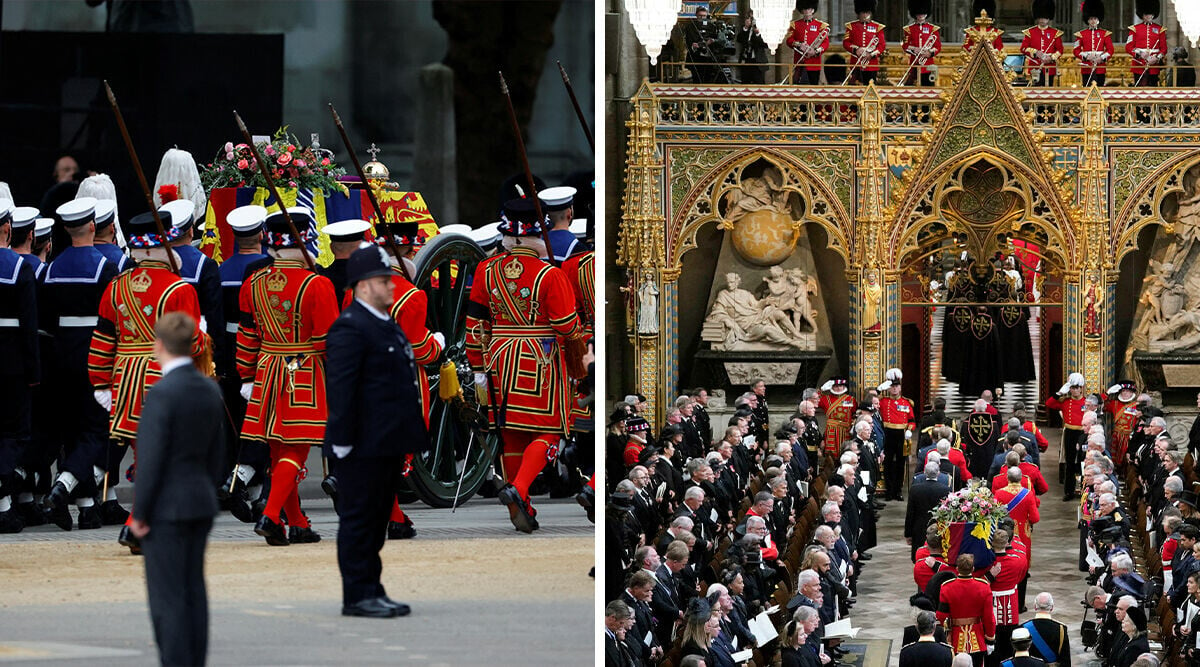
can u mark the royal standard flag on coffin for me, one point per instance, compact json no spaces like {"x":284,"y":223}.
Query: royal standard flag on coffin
{"x":968,"y":537}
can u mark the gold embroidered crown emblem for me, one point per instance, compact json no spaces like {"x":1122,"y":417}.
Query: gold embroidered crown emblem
{"x":513,"y":269}
{"x":141,"y":282}
{"x":276,"y":281}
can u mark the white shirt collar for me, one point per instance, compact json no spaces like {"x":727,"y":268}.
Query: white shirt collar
{"x":177,"y":362}
{"x":371,"y":309}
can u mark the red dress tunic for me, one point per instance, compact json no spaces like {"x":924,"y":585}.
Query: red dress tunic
{"x":839,"y":413}
{"x":287,"y":311}
{"x":966,"y":606}
{"x":1093,"y":40}
{"x":865,"y":35}
{"x":815,"y":35}
{"x":917,"y":35}
{"x":1048,"y":41}
{"x":1146,"y":36}
{"x":121,"y":356}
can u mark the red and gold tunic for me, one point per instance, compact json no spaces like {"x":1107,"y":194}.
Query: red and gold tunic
{"x":121,"y":357}
{"x":580,"y":270}
{"x":1072,"y":411}
{"x":839,"y":414}
{"x":918,"y":35}
{"x":1125,"y":418}
{"x":1150,"y":36}
{"x":1093,"y":40}
{"x":865,"y":36}
{"x":897,"y":413}
{"x":286,"y":312}
{"x":1005,"y":602}
{"x":966,"y":608}
{"x":811,"y":37}
{"x":520,"y":314}
{"x":1049,"y":42}
{"x":1024,"y":513}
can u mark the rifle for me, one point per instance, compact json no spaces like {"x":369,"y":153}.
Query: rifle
{"x":387,"y":237}
{"x":575,"y":102}
{"x":137,"y":167}
{"x":537,"y":203}
{"x":266,"y":172}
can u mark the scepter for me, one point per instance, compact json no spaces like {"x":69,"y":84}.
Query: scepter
{"x":266,"y":172}
{"x":537,"y":203}
{"x":137,"y":167}
{"x":575,"y":102}
{"x":387,"y":237}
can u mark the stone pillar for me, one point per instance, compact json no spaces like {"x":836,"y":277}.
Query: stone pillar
{"x":434,"y":175}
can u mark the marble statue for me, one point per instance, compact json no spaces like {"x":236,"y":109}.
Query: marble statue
{"x":740,"y":321}
{"x":647,"y":321}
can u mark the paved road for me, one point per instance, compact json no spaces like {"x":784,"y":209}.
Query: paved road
{"x":487,"y":596}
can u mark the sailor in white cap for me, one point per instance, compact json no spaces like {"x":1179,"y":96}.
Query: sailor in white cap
{"x":559,"y":205}
{"x":43,"y":229}
{"x":21,"y":241}
{"x":344,"y":238}
{"x":106,"y":234}
{"x":249,"y":459}
{"x":487,"y":236}
{"x":22,"y":367}
{"x":72,"y":287}
{"x":196,"y":268}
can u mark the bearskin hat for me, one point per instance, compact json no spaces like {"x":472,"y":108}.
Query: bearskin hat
{"x":1147,"y":7}
{"x":916,"y":7}
{"x":1043,"y":9}
{"x":861,"y":6}
{"x":1092,"y":8}
{"x":980,"y":6}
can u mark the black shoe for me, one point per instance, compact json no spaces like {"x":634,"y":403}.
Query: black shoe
{"x":1068,"y":498}
{"x":401,"y":530}
{"x":257,"y":507}
{"x":272,"y":531}
{"x":239,"y":505}
{"x":303,"y":535}
{"x":401,"y":608}
{"x":60,"y":516}
{"x":864,"y":556}
{"x":518,"y":510}
{"x":587,"y":499}
{"x":329,"y":486}
{"x":370,"y":608}
{"x":89,"y":518}
{"x":126,"y":539}
{"x":112,"y":514}
{"x":536,"y":525}
{"x":10,"y":522}
{"x":31,"y":514}
{"x":59,"y":496}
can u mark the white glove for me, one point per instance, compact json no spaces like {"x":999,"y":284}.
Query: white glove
{"x":887,"y":384}
{"x":827,"y":386}
{"x":991,"y":648}
{"x":1066,"y":388}
{"x":342,"y":451}
{"x":247,"y":388}
{"x":1113,"y":390}
{"x":104,"y":398}
{"x":440,"y":338}
{"x":908,"y":434}
{"x":481,"y":380}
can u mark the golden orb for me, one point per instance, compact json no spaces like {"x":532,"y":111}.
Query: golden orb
{"x":764,"y":237}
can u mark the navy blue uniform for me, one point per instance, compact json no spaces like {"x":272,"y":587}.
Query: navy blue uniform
{"x":113,"y":254}
{"x":18,"y":336}
{"x":233,"y":273}
{"x":199,"y":271}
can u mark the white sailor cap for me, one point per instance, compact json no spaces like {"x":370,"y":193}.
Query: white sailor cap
{"x":181,"y":211}
{"x":487,"y":235}
{"x":579,"y":228}
{"x":558,"y":199}
{"x":42,"y":227}
{"x":462,"y":230}
{"x":1020,"y":634}
{"x":23,"y":216}
{"x":6,"y":209}
{"x":106,"y":212}
{"x":77,"y":211}
{"x":246,"y":220}
{"x":346,"y":231}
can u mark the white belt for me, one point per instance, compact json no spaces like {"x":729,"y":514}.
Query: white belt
{"x":231,"y":327}
{"x":68,"y":321}
{"x":9,"y":323}
{"x":1000,"y":594}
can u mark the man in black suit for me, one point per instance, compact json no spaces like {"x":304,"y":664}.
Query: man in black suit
{"x":923,"y":496}
{"x":618,"y":618}
{"x":181,"y":449}
{"x":926,"y":651}
{"x":641,"y":638}
{"x":375,"y":419}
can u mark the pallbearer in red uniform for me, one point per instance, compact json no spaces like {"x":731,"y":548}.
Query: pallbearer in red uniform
{"x":899,"y":420}
{"x":864,"y":42}
{"x":409,"y":306}
{"x":1093,"y":45}
{"x":838,"y":406}
{"x":922,"y":42}
{"x":808,"y":39}
{"x":984,"y":12}
{"x":520,"y":317}
{"x":1120,"y":401}
{"x":1070,"y":401}
{"x":1147,"y":43}
{"x":287,"y":310}
{"x":121,"y":361}
{"x":1042,"y":46}
{"x":965,"y":608}
{"x":1005,"y":576}
{"x":1022,"y":505}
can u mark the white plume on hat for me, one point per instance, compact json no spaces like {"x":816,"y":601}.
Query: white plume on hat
{"x":99,"y":186}
{"x":895,"y":374}
{"x":179,"y":169}
{"x":1076,"y":379}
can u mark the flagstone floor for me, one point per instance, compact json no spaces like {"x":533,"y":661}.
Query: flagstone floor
{"x":886,"y":584}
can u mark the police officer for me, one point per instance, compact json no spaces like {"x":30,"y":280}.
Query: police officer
{"x":18,"y":333}
{"x":71,"y":289}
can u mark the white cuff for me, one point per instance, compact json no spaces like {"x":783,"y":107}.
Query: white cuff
{"x":342,"y":451}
